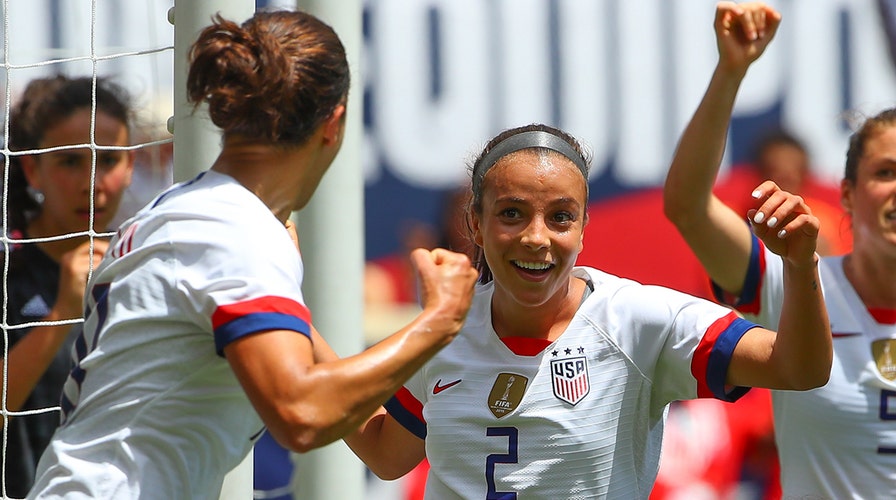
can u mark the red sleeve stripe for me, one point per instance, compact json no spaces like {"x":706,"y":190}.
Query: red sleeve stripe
{"x":408,"y":412}
{"x":267,"y":304}
{"x":713,"y":355}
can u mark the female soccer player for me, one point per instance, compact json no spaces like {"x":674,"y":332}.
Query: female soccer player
{"x":197,"y":336}
{"x":837,"y":441}
{"x":557,"y":385}
{"x":50,"y":196}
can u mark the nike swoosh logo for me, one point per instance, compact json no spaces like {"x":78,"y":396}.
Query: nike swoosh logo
{"x":840,"y":335}
{"x":439,"y":388}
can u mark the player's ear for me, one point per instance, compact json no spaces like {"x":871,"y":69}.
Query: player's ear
{"x":28,"y":164}
{"x":582,"y":236}
{"x":846,"y":193}
{"x":334,"y":126}
{"x":131,"y":159}
{"x":475,"y":230}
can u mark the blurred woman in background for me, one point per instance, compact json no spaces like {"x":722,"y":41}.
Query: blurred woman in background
{"x":54,"y":197}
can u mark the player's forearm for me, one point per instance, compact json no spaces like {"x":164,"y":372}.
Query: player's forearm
{"x":332,"y":399}
{"x":803,"y":349}
{"x":29,"y":359}
{"x":695,"y":165}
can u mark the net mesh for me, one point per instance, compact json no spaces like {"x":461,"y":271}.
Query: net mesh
{"x":108,"y":38}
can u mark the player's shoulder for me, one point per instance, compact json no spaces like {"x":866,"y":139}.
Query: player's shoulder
{"x":605,"y":285}
{"x":211,"y":193}
{"x":215,"y":202}
{"x":615,"y":298}
{"x":831,"y":268}
{"x":597,"y":278}
{"x":215,"y":219}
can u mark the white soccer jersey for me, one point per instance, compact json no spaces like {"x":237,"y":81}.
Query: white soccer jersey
{"x":152,"y":409}
{"x":582,"y":418}
{"x":837,"y":441}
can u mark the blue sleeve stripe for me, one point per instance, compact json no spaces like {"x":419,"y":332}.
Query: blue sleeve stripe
{"x":405,"y":418}
{"x":257,"y":322}
{"x":720,"y":358}
{"x":751,"y":280}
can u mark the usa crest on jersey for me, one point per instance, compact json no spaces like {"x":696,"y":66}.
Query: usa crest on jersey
{"x":569,"y":378}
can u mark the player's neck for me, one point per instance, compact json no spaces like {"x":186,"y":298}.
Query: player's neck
{"x":545,"y":321}
{"x":274,"y":173}
{"x":873,"y":279}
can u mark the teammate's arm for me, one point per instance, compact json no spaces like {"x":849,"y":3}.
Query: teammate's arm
{"x":306,"y":404}
{"x":719,"y":237}
{"x":794,"y":357}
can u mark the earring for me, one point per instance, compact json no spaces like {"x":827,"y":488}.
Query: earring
{"x":35,"y":195}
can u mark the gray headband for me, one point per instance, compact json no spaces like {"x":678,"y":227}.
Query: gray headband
{"x":528,"y":140}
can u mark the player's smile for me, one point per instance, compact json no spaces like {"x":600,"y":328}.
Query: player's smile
{"x":535,"y":270}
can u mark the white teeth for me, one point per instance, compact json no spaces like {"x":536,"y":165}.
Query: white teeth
{"x":534,"y":266}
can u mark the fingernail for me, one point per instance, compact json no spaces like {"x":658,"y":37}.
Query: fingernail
{"x":771,"y":222}
{"x":757,"y":194}
{"x":782,"y":233}
{"x":759,"y":217}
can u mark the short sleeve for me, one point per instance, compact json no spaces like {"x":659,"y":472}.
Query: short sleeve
{"x":763,"y":289}
{"x":241,"y":285}
{"x":406,"y":406}
{"x":681,"y":343}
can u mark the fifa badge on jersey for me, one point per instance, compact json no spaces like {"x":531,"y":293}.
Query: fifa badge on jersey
{"x":569,"y":377}
{"x":507,"y":393}
{"x":884,"y":352}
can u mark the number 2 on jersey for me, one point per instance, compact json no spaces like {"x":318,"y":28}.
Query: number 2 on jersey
{"x":510,"y":457}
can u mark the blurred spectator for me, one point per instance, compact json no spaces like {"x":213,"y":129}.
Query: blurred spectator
{"x":782,"y":157}
{"x":51,"y":193}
